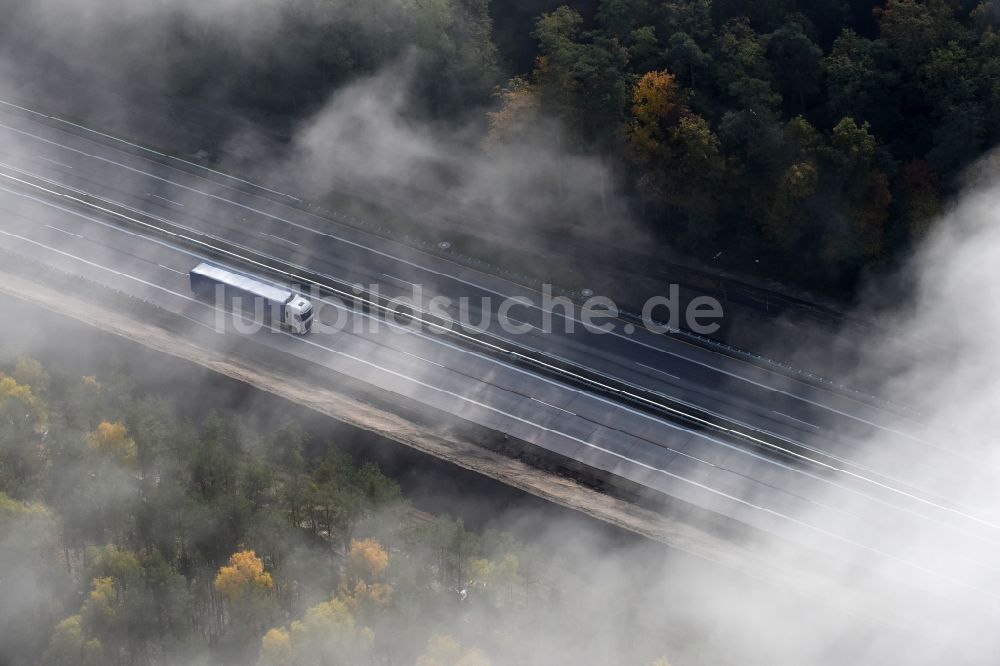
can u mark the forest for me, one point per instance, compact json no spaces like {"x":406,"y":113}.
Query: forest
{"x":820,"y":138}
{"x":131,"y":534}
{"x":810,"y":141}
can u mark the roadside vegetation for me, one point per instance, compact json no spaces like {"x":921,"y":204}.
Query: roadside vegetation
{"x":814,"y":139}
{"x":132,"y":535}
{"x":806,"y":141}
{"x":811,"y":141}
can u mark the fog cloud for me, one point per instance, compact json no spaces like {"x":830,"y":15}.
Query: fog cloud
{"x":365,"y":140}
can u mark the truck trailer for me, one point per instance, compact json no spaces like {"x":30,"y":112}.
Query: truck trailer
{"x":252,"y":295}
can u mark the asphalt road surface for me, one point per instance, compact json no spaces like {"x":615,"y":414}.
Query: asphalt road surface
{"x":841,"y":500}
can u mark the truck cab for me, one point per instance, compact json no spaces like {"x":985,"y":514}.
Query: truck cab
{"x":299,"y":315}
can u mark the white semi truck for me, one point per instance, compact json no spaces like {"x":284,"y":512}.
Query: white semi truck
{"x":252,"y":295}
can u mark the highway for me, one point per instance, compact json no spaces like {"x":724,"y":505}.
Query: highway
{"x":88,"y":204}
{"x":711,"y":380}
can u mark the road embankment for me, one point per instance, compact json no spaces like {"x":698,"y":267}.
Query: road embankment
{"x":435,"y":434}
{"x":456,"y":444}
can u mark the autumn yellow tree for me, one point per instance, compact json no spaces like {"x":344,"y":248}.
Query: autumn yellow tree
{"x":246,"y":592}
{"x":100,"y":610}
{"x":441,"y":651}
{"x":365,"y":599}
{"x":12,"y":511}
{"x":12,"y":391}
{"x":326,"y":634}
{"x":69,"y":646}
{"x":362,"y":590}
{"x":30,"y":372}
{"x":445,"y":650}
{"x":325,"y":627}
{"x":109,"y":618}
{"x":22,"y":420}
{"x":677,"y":152}
{"x":28,"y":532}
{"x":657,"y":103}
{"x":367,"y":559}
{"x":276,"y":648}
{"x":518,"y":111}
{"x":113,"y":441}
{"x":243,"y":576}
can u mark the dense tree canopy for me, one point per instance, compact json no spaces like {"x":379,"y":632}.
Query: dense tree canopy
{"x":724,"y":174}
{"x":138,"y":537}
{"x":788,"y":135}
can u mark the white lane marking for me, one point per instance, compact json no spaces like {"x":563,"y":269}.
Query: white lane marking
{"x":399,"y":280}
{"x":670,"y":425}
{"x":170,"y":201}
{"x":36,"y":186}
{"x":551,"y":311}
{"x":43,"y":139}
{"x":712,"y":491}
{"x":792,"y":418}
{"x":628,"y":409}
{"x":340,"y":352}
{"x":68,"y":233}
{"x":518,"y":322}
{"x":134,"y":234}
{"x":23,"y":108}
{"x":283,"y":240}
{"x":424,"y":336}
{"x":632,"y":339}
{"x":542,"y":402}
{"x":825,"y":465}
{"x":643,"y":415}
{"x":42,"y":157}
{"x":830,"y":467}
{"x":463,"y":398}
{"x":174,"y":270}
{"x":662,"y":372}
{"x":150,"y":150}
{"x":439,"y":273}
{"x":877,"y":426}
